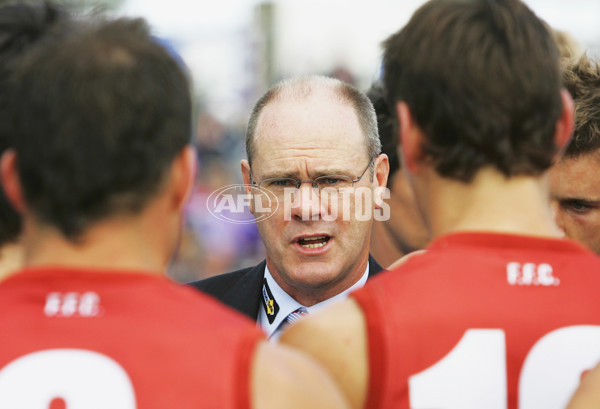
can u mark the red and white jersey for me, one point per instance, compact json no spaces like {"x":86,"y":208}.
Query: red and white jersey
{"x":480,"y":320}
{"x":122,"y":340}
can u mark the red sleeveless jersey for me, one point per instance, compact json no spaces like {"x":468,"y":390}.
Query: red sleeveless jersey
{"x":72,"y":339}
{"x":480,"y":320}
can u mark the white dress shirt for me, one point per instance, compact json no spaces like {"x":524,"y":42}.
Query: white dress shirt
{"x":287,"y":304}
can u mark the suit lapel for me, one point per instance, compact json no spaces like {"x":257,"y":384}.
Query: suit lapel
{"x":374,"y":267}
{"x":244,"y":296}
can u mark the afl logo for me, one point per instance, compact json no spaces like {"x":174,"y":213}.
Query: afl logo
{"x":242,"y":204}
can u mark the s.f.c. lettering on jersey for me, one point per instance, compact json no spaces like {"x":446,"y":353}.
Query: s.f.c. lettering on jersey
{"x":531,"y":274}
{"x":72,"y":304}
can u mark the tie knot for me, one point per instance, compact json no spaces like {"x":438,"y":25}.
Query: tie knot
{"x":290,"y":319}
{"x":296,"y":315}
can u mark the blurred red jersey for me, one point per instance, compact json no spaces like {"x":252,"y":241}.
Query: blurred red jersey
{"x":480,"y":320}
{"x":121,"y":340}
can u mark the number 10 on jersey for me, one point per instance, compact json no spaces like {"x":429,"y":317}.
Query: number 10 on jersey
{"x":473,"y":375}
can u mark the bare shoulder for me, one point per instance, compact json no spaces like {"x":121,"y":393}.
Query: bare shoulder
{"x":343,"y":321}
{"x":405,"y":258}
{"x":336,"y":337}
{"x":587,"y":395}
{"x":286,"y":378}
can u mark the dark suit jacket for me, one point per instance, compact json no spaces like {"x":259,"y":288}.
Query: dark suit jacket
{"x":242,"y":289}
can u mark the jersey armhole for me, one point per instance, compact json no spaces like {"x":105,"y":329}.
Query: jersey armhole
{"x":246,"y":352}
{"x":375,"y":346}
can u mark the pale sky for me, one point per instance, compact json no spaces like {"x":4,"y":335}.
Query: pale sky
{"x":221,"y":43}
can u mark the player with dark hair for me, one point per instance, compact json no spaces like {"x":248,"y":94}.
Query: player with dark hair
{"x":404,"y":231}
{"x":499,"y":312}
{"x":574,"y":178}
{"x":100,"y":171}
{"x":22,"y":25}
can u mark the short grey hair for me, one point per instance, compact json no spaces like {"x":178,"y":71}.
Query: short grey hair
{"x":302,"y":87}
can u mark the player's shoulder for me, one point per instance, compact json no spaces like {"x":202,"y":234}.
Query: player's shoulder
{"x":402,"y":260}
{"x":336,"y":337}
{"x":335,"y":321}
{"x":407,"y":269}
{"x":194,"y":306}
{"x":281,"y":377}
{"x":331,"y":335}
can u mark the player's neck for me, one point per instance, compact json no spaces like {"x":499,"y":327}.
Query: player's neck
{"x":120,"y":243}
{"x":383,"y":246}
{"x":11,"y":258}
{"x":491,"y":202}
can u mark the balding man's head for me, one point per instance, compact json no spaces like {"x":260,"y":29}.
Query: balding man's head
{"x":318,"y":86}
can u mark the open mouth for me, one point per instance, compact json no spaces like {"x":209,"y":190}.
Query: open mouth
{"x":313,"y":242}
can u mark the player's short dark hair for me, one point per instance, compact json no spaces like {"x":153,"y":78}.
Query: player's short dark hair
{"x":21,"y":26}
{"x":482,"y":80}
{"x":386,"y":126}
{"x":100,"y":114}
{"x":582,"y":79}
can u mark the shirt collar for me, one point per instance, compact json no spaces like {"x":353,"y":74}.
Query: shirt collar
{"x":281,"y":304}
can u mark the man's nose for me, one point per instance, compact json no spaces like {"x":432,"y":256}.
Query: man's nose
{"x":308,"y":203}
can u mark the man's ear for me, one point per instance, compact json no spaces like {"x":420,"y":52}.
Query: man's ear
{"x":11,"y":183}
{"x":410,"y":138}
{"x":245,"y":166}
{"x":382,"y":171}
{"x":183,"y":175}
{"x":565,"y":124}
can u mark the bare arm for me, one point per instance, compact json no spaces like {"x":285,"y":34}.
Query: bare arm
{"x":285,"y":378}
{"x":587,"y":395}
{"x":336,"y":337}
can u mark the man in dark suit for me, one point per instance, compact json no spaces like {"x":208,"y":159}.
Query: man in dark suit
{"x":313,"y":148}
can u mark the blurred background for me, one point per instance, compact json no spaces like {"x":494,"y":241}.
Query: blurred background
{"x":235,"y":49}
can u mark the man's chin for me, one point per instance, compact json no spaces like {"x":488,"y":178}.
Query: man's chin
{"x":314,"y":274}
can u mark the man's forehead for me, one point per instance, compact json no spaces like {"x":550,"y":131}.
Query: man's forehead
{"x":319,"y":103}
{"x":582,"y":163}
{"x":576,"y":176}
{"x":308,"y":121}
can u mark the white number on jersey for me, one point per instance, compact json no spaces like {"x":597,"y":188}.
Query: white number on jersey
{"x":473,"y":374}
{"x":81,"y":379}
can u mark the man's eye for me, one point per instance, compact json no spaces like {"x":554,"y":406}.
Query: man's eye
{"x":577,"y":207}
{"x":332,"y":181}
{"x":283,"y":183}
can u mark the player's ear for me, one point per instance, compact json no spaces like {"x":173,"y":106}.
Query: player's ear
{"x":566,"y":122}
{"x":183,"y":175}
{"x":411,"y":138}
{"x":11,"y":183}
